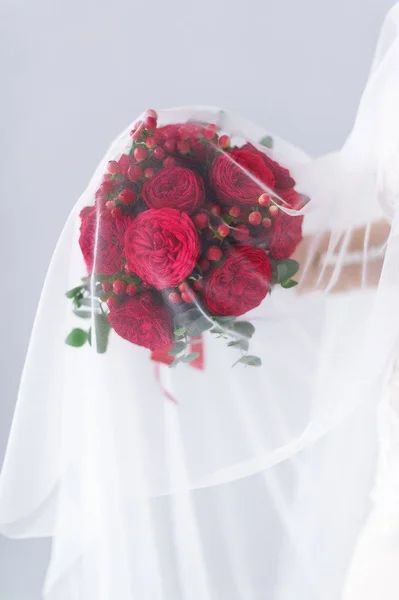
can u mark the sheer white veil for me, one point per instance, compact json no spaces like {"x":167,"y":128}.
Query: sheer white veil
{"x":146,"y":498}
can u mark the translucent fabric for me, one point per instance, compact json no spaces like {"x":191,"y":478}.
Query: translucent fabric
{"x":155,"y":480}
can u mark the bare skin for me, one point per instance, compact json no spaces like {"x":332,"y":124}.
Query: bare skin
{"x":350,"y":275}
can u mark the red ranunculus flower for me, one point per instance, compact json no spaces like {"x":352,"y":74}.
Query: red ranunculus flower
{"x":104,"y":255}
{"x":240,"y":283}
{"x":175,"y":188}
{"x":283,"y":179}
{"x":144,"y":323}
{"x":286,"y":232}
{"x":230,"y":176}
{"x":162,"y":247}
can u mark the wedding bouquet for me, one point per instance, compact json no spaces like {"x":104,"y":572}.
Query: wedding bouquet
{"x":189,"y":229}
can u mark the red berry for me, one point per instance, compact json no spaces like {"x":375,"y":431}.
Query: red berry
{"x":131,"y":289}
{"x":241,"y":232}
{"x":266,"y":222}
{"x":148,"y":173}
{"x":110,"y":205}
{"x":119,"y":287}
{"x":235,"y":211}
{"x":184,"y":133}
{"x":216,"y":210}
{"x":134,"y":173}
{"x":150,"y":141}
{"x":126,"y":196}
{"x":198,"y":285}
{"x":150,"y":113}
{"x":223,"y":230}
{"x":116,"y":213}
{"x":183,"y":287}
{"x":224,"y":141}
{"x":140,"y":153}
{"x":150,"y":123}
{"x":106,"y":285}
{"x":201,"y":220}
{"x":204,"y":264}
{"x":170,"y":146}
{"x":169,"y":162}
{"x":106,"y":187}
{"x":113,"y":167}
{"x":137,"y":131}
{"x":183,"y":147}
{"x":264,"y":200}
{"x":209,"y":132}
{"x":159,"y":153}
{"x":214,"y":253}
{"x":188,"y":296}
{"x":255,"y":218}
{"x":112,"y":303}
{"x":273,"y":209}
{"x":174,"y":297}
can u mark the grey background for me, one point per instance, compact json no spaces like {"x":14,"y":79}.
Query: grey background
{"x":74,"y":73}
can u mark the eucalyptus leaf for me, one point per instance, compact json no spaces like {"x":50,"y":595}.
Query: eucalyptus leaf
{"x":267,"y":141}
{"x":102,"y":329}
{"x":244,"y":328}
{"x":189,"y":357}
{"x":76,"y":338}
{"x":249,"y":360}
{"x":180,"y":332}
{"x":177,"y":349}
{"x":286,"y":269}
{"x":199,"y":326}
{"x":290,"y":283}
{"x":183,"y":320}
{"x":194,"y":342}
{"x":74,"y":292}
{"x":83,"y":314}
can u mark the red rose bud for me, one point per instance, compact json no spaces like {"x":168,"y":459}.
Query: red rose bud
{"x":112,"y":303}
{"x":159,"y":153}
{"x":131,"y":289}
{"x":126,"y":196}
{"x":183,"y":147}
{"x":170,"y":146}
{"x":116,"y":213}
{"x":150,"y":141}
{"x":110,"y":205}
{"x":198,"y":285}
{"x":169,"y":162}
{"x":264,"y":200}
{"x":224,"y":141}
{"x":119,"y":287}
{"x":140,"y":153}
{"x":235,"y":211}
{"x":201,"y":220}
{"x":148,"y":173}
{"x":214,"y":253}
{"x":223,"y":230}
{"x":134,"y":173}
{"x":204,"y":264}
{"x":183,"y":287}
{"x":241,"y":233}
{"x":273,"y":209}
{"x":216,"y":210}
{"x":107,"y":287}
{"x":175,"y":298}
{"x":266,"y":222}
{"x":255,"y":218}
{"x":113,"y":167}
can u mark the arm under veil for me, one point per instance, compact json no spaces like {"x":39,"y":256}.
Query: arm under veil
{"x":103,"y":462}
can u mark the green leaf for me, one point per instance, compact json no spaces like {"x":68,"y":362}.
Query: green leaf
{"x":76,"y":338}
{"x":89,"y":336}
{"x":74,"y":292}
{"x":83,"y":314}
{"x":290,"y":283}
{"x":250,"y":361}
{"x":286,"y":269}
{"x":198,"y":326}
{"x":224,"y":320}
{"x":102,"y":329}
{"x":244,"y":328}
{"x":183,"y":320}
{"x":267,"y":141}
{"x":193,"y":342}
{"x":180,"y":332}
{"x":177,"y":348}
{"x":89,"y":302}
{"x":189,"y":357}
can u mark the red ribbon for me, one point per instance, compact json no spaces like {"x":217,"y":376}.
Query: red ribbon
{"x":161,"y":356}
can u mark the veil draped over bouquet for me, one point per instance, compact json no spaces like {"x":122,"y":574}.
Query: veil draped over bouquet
{"x":183,"y":350}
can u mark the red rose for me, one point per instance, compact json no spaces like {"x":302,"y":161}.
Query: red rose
{"x":175,"y":188}
{"x":240,"y":283}
{"x":108,"y":247}
{"x":162,"y":247}
{"x":231,"y":181}
{"x":283,"y":179}
{"x":286,"y":232}
{"x":143,"y":323}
